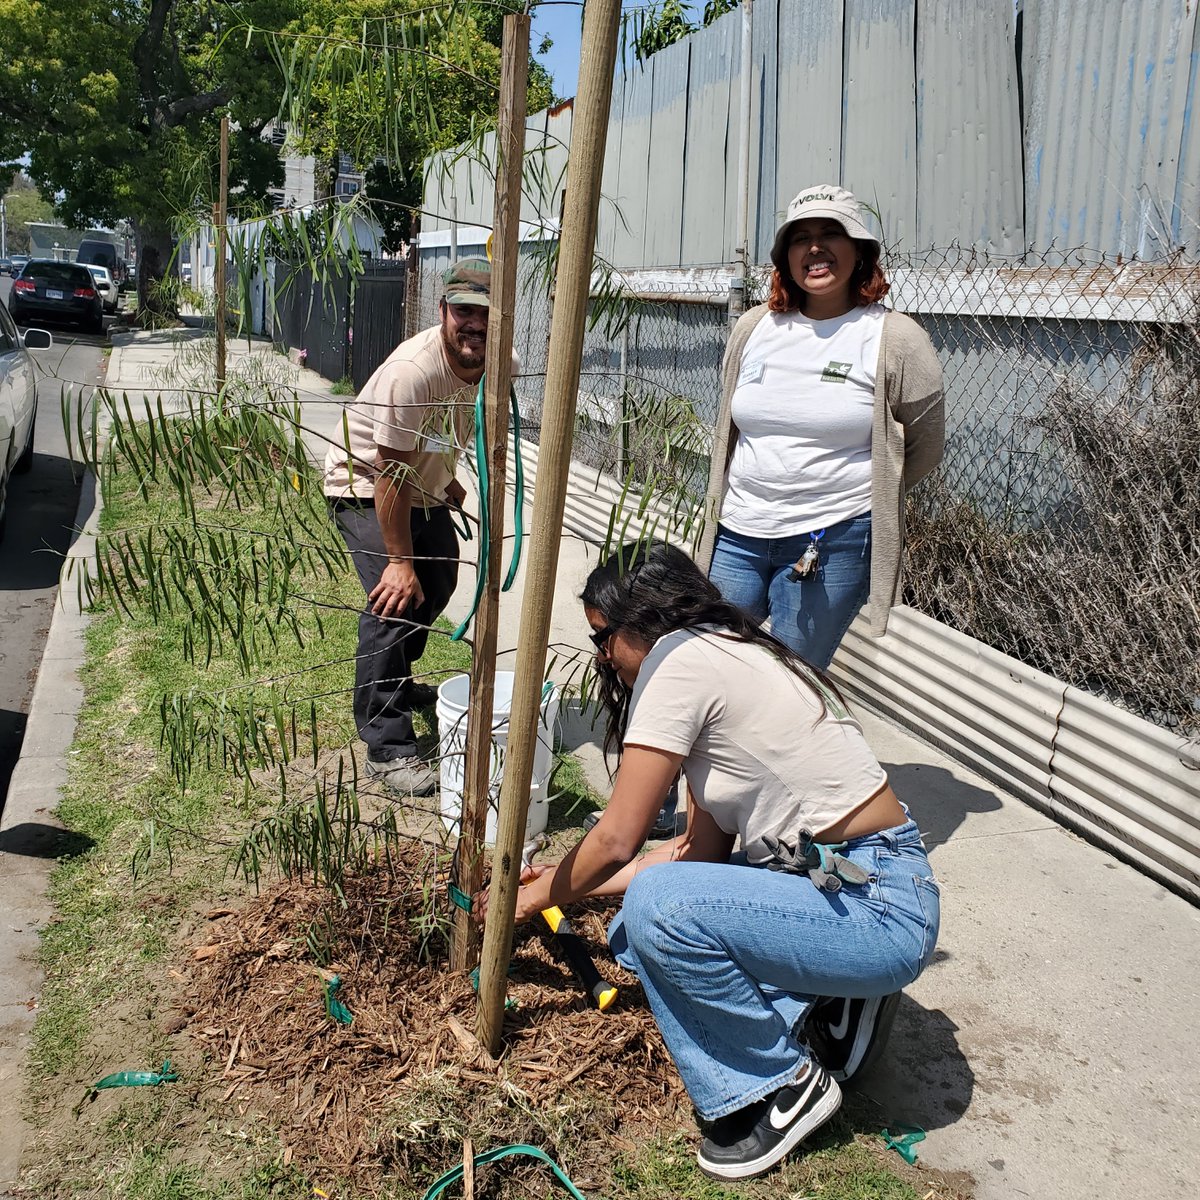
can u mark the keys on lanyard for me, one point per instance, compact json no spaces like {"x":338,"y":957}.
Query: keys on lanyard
{"x":806,"y":564}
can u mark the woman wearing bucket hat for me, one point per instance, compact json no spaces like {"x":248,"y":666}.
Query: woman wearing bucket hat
{"x":831,"y":409}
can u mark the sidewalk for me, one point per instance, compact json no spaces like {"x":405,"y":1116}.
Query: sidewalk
{"x":1050,"y":1049}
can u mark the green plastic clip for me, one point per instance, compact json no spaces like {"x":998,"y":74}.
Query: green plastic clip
{"x":509,"y":1002}
{"x":138,"y":1078}
{"x":459,"y":898}
{"x":334,"y":1008}
{"x":903,"y":1141}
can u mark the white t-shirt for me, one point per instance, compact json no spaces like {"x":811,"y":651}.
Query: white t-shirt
{"x":758,"y":755}
{"x":803,"y":407}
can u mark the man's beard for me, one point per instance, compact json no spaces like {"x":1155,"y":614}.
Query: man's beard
{"x":465,"y":357}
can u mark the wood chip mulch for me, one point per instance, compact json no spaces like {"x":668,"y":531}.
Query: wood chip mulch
{"x":395,"y":1092}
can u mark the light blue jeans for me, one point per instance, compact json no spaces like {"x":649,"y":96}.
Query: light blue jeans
{"x":810,"y":615}
{"x":732,"y":957}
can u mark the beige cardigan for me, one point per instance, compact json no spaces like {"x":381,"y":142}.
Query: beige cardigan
{"x":906,"y":444}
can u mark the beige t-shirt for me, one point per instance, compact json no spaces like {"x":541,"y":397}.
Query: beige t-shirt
{"x":758,"y":755}
{"x":414,"y":401}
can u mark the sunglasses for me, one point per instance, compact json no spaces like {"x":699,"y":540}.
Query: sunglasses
{"x":600,"y":637}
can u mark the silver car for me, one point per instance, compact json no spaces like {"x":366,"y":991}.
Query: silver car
{"x":105,"y":286}
{"x":18,"y":401}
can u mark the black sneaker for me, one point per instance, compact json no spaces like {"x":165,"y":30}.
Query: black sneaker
{"x":848,"y":1036}
{"x":421,"y":695}
{"x":752,"y":1140}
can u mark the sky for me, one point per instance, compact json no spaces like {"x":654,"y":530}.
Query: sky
{"x":561,"y":20}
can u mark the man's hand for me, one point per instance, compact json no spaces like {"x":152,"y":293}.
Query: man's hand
{"x":398,"y":587}
{"x":455,"y":494}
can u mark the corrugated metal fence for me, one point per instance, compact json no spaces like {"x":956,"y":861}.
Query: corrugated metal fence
{"x":1065,"y":123}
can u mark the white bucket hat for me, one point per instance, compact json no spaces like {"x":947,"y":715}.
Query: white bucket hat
{"x":821,"y":200}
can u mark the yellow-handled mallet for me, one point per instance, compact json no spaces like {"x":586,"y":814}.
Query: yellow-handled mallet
{"x":575,"y":952}
{"x":572,"y":945}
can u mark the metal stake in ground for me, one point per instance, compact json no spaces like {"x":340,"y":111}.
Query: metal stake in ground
{"x":576,"y":245}
{"x":510,"y":139}
{"x":222,"y":218}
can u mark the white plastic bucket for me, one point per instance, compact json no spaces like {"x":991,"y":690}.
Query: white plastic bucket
{"x":454,"y":697}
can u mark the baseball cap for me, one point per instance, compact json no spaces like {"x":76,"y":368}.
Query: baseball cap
{"x":468,"y":281}
{"x":821,"y":200}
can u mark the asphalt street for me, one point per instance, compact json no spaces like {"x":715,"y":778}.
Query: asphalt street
{"x":41,"y":519}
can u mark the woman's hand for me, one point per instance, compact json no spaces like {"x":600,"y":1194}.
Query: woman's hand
{"x":527,"y":906}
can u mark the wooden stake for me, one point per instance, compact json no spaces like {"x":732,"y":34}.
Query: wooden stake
{"x":468,"y":1169}
{"x":222,"y":217}
{"x":577,"y":240}
{"x":510,"y":139}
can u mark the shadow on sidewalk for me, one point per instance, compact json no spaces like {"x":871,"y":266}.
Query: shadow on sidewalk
{"x":34,"y":839}
{"x":923,"y":1078}
{"x":939,"y":802}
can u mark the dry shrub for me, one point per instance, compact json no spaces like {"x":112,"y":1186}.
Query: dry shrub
{"x":1104,"y":594}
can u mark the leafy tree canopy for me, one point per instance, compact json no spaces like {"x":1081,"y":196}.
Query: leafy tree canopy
{"x":667,"y":22}
{"x":118,"y":104}
{"x":390,"y":81}
{"x":117,"y":101}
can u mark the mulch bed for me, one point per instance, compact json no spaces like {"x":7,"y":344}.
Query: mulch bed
{"x":393,"y":1094}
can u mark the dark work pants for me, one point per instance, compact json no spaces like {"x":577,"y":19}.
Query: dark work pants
{"x":388,"y":648}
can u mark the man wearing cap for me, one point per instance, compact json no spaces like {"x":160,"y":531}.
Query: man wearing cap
{"x":390,"y":481}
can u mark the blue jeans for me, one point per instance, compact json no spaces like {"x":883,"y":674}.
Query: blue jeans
{"x":732,"y":957}
{"x":810,"y":615}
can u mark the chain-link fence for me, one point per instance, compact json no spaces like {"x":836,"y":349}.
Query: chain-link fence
{"x":1063,"y":527}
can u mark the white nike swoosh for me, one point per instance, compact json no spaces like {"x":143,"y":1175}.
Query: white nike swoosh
{"x":839,"y":1031}
{"x":781,"y":1117}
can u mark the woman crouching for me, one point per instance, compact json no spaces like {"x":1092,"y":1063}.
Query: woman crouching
{"x":832,"y":907}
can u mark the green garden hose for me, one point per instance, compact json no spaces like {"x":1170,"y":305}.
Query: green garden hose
{"x":485,"y":537}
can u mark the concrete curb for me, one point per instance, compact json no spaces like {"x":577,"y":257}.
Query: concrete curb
{"x":28,"y":838}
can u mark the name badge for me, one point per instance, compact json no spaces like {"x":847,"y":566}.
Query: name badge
{"x":751,"y":372}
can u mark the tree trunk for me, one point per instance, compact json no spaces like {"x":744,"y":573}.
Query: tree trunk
{"x":153,"y":255}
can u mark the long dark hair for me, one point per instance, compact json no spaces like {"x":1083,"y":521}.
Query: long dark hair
{"x":649,"y":589}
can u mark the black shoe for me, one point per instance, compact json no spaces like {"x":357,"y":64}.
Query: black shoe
{"x":421,"y":695}
{"x":848,"y":1036}
{"x":752,"y":1140}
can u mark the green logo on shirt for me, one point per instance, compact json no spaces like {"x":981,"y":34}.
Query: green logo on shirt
{"x":836,"y":372}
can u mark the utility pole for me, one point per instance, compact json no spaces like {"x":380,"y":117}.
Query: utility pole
{"x":220,"y":219}
{"x":741,"y":265}
{"x":585,"y":162}
{"x":3,"y":230}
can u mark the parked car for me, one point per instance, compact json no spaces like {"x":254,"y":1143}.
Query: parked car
{"x":18,"y":401}
{"x":18,"y":262}
{"x":104,"y":254}
{"x":59,"y":291}
{"x":6,"y":267}
{"x":105,"y":286}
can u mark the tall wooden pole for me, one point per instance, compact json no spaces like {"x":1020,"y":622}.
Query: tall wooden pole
{"x":510,"y":138}
{"x":577,"y":240}
{"x":222,"y":217}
